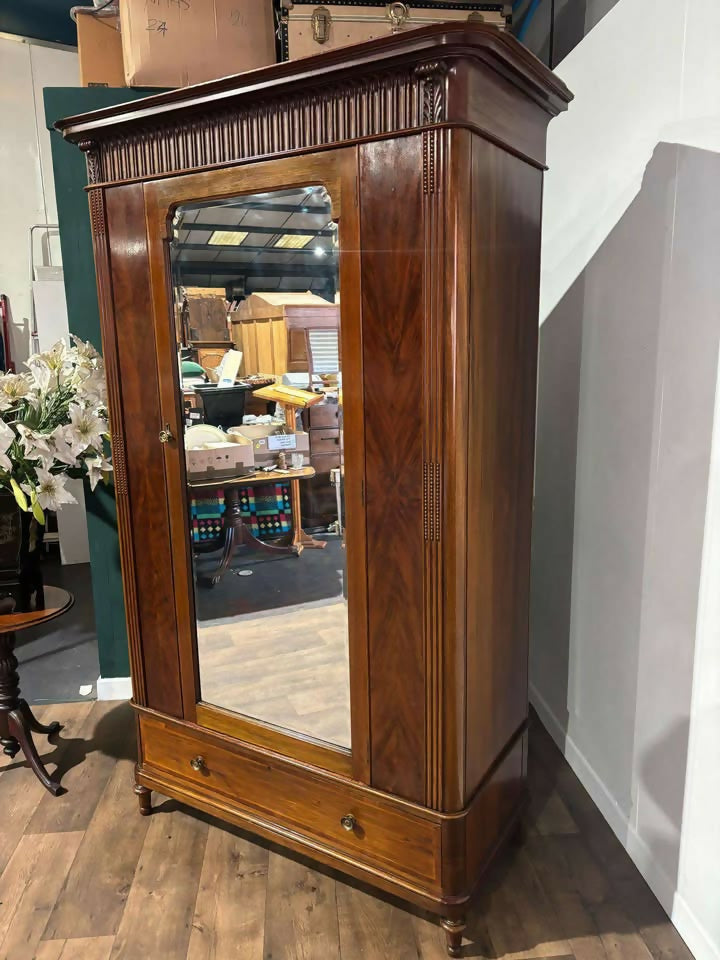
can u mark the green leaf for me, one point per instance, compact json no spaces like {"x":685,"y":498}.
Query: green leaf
{"x":19,"y":495}
{"x":38,"y":512}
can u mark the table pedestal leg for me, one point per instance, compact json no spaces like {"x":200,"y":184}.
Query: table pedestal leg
{"x":238,"y":532}
{"x":17,"y":720}
{"x":300,"y":539}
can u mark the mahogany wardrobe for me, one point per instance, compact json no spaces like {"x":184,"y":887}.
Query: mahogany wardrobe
{"x":356,"y":693}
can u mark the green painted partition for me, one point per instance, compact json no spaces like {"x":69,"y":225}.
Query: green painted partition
{"x":84,"y":320}
{"x":39,"y":19}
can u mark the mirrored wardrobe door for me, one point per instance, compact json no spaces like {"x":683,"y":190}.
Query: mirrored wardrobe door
{"x":263,"y":455}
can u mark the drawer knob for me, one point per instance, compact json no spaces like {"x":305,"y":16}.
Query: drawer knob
{"x":198,"y":763}
{"x":348,"y":822}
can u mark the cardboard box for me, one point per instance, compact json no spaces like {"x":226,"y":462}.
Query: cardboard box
{"x":220,"y":460}
{"x":174,"y":43}
{"x":267,"y":442}
{"x":254,"y":431}
{"x":100,"y":51}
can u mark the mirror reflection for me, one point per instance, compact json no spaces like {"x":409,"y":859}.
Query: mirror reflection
{"x":257,"y":318}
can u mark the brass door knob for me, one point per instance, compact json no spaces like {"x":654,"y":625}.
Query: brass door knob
{"x":348,"y":822}
{"x":166,"y":434}
{"x":198,"y":763}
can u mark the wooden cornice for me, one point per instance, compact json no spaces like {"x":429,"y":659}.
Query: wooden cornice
{"x":398,"y":83}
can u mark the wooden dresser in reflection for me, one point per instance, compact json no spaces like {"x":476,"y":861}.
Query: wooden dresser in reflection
{"x":431,"y":145}
{"x":270,"y":329}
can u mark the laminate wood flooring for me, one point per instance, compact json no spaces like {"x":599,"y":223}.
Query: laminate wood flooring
{"x":84,"y":877}
{"x":289,"y":667}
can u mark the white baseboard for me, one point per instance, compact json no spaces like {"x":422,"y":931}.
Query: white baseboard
{"x":683,"y":919}
{"x":601,"y":796}
{"x":114,"y":688}
{"x":693,"y":932}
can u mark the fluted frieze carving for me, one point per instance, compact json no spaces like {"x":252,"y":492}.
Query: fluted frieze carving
{"x":365,"y":107}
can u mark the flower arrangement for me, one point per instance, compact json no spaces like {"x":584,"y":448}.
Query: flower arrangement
{"x":53,"y":425}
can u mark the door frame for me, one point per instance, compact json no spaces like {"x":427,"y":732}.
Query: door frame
{"x":337,"y":170}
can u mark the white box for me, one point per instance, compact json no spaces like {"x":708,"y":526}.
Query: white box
{"x":220,"y":460}
{"x":267,"y":442}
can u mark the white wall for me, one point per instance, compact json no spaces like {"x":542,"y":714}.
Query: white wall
{"x":27,"y":197}
{"x":696,"y":904}
{"x":27,"y":192}
{"x":625,"y":650}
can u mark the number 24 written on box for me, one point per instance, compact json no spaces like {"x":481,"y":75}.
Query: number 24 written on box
{"x":160,"y":26}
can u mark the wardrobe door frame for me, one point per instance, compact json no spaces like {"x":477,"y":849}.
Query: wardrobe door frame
{"x":337,"y":170}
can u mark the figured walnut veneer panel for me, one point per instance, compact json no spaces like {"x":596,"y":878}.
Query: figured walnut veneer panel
{"x":502,"y":369}
{"x":393,"y":316}
{"x":132,"y":295}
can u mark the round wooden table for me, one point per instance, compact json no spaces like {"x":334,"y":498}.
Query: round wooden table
{"x":236,"y":531}
{"x":17,"y":721}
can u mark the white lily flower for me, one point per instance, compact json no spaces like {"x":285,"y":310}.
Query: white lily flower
{"x":7,"y":436}
{"x":13,"y":387}
{"x":84,"y":349}
{"x":57,"y":356}
{"x":57,"y":361}
{"x":40,"y":372}
{"x":91,"y":387}
{"x":36,"y":445}
{"x":96,"y":467}
{"x":85,"y":429}
{"x":50,"y":490}
{"x":66,"y":391}
{"x":61,"y":449}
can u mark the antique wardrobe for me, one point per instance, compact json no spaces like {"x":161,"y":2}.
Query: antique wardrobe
{"x":363,"y":703}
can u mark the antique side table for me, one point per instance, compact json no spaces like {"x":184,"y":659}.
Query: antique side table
{"x":17,"y":722}
{"x":237,"y":532}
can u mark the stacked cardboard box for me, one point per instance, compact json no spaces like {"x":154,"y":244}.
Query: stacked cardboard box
{"x":99,"y":50}
{"x":174,"y":43}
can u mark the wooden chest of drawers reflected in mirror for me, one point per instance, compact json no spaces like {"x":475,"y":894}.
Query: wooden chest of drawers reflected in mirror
{"x":357,"y":692}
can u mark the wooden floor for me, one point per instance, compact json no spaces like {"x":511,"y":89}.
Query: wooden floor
{"x":289,"y":667}
{"x":84,"y":877}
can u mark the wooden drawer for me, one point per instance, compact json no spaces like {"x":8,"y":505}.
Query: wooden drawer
{"x":325,"y":462}
{"x":388,"y":835}
{"x":321,"y":415}
{"x":318,"y":500}
{"x":324,"y":440}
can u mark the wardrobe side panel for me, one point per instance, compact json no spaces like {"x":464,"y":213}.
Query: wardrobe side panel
{"x":391,"y":197}
{"x":503,"y":336}
{"x":132,"y":296}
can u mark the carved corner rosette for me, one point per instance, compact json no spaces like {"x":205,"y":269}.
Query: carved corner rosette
{"x":433,"y":77}
{"x":92,"y":157}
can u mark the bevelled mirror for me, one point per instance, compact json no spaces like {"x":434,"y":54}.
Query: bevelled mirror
{"x":258,"y":331}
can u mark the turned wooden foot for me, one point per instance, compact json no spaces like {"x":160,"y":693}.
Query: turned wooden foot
{"x":17,"y":721}
{"x":49,"y":729}
{"x":18,"y":726}
{"x":144,"y":799}
{"x":453,"y":935}
{"x":10,"y":746}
